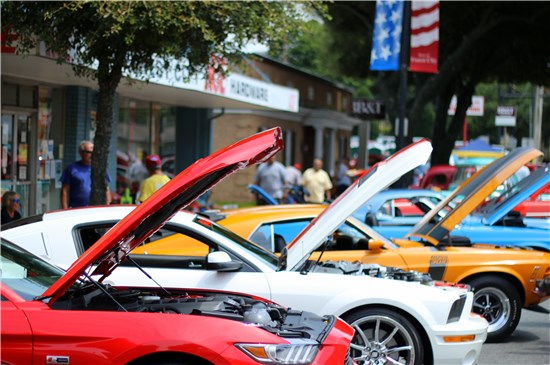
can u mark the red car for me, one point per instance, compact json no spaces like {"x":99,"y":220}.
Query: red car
{"x":50,"y":316}
{"x":538,"y":204}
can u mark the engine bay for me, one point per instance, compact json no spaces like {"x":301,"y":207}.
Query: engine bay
{"x":373,"y":270}
{"x":284,"y":322}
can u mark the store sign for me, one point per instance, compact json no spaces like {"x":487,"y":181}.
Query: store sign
{"x":505,"y":116}
{"x":8,"y":38}
{"x":477,"y":108}
{"x":232,"y":86}
{"x":369,"y":109}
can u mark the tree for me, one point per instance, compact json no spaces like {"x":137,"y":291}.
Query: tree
{"x":490,"y":42}
{"x":109,"y":40}
{"x":481,"y":42}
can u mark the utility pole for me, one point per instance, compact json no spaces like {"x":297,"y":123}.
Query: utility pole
{"x":537,"y":116}
{"x":401,"y":124}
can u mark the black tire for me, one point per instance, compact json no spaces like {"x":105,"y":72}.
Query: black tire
{"x":369,"y":345}
{"x":499,"y":302}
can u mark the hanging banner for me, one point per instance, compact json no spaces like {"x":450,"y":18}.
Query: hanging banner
{"x":424,"y":51}
{"x":386,"y":37}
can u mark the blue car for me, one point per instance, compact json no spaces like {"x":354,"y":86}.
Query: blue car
{"x":398,"y":207}
{"x":496,"y":222}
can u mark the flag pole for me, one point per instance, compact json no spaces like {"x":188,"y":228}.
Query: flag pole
{"x":403,"y":70}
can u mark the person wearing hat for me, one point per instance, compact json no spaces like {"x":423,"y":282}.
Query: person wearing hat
{"x":294,"y":174}
{"x":155,"y":180}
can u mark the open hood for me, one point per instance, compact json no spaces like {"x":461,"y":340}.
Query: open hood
{"x":151,"y":215}
{"x":498,"y":207}
{"x":473,"y":192}
{"x":374,"y":180}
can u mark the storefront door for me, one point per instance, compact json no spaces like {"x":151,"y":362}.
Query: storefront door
{"x":15,"y":161}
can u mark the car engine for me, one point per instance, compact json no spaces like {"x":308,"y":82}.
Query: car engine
{"x":272,"y":317}
{"x":374,"y":270}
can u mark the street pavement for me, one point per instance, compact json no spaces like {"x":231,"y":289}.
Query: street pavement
{"x":528,"y":345}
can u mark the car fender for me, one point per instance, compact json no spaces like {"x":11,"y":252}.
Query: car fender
{"x":169,"y":346}
{"x":493,"y":270}
{"x":424,"y":303}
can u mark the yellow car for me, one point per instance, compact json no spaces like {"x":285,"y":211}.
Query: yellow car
{"x":503,"y":279}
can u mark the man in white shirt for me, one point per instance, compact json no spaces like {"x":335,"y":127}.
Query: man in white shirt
{"x":317,"y":182}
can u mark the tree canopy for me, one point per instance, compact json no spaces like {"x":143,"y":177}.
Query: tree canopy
{"x":480,"y":42}
{"x":109,"y":40}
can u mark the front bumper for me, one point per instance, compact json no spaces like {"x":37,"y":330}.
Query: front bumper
{"x":459,"y":342}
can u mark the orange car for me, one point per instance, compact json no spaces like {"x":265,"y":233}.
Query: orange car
{"x":503,"y":279}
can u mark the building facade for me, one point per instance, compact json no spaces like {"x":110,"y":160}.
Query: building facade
{"x":47,"y":111}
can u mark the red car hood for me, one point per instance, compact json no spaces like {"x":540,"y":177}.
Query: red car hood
{"x":151,"y":215}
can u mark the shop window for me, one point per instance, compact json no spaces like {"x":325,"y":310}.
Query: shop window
{"x":167,"y":142}
{"x":134,"y":142}
{"x":310,"y":93}
{"x":329,"y":98}
{"x":27,"y":96}
{"x":9,"y":94}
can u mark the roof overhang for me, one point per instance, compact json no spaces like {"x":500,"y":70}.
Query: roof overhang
{"x":238,"y":92}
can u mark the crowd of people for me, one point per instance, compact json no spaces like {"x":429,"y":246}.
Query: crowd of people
{"x":284,"y":184}
{"x":290,"y":185}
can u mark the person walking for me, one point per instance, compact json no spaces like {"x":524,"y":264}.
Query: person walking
{"x":10,"y":207}
{"x":77,"y":180}
{"x":343,"y":180}
{"x":294,"y":174}
{"x":271,"y":177}
{"x":155,"y":180}
{"x":317,"y":182}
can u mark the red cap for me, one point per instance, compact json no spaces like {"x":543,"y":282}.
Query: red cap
{"x":152,"y":161}
{"x":298,"y":166}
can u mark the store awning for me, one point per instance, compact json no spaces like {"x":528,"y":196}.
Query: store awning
{"x":231,"y":92}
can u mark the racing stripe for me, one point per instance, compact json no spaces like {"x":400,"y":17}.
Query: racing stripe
{"x":438,"y":266}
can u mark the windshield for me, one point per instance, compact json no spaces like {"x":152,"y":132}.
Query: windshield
{"x":262,"y":254}
{"x":24,"y":273}
{"x":496,"y":201}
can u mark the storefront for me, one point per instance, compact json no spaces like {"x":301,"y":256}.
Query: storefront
{"x":47,"y":111}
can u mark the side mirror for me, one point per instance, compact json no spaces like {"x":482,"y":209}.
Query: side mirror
{"x":221,"y":261}
{"x":375,"y":245}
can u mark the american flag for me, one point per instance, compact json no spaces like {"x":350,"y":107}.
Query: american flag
{"x":424,"y":36}
{"x":386,"y":38}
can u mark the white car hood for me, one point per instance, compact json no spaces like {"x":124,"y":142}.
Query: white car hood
{"x":376,"y":179}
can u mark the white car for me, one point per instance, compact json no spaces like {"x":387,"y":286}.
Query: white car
{"x":399,"y":317}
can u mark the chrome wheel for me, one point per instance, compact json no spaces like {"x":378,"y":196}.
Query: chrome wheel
{"x":493,"y":304}
{"x":384,"y":337}
{"x":499,"y":302}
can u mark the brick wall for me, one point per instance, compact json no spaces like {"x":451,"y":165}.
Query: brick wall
{"x":232,"y":128}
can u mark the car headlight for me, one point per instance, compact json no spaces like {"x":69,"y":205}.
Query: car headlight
{"x":298,"y":351}
{"x":456,"y":309}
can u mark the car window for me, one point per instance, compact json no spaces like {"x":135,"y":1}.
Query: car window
{"x":263,"y":236}
{"x":386,"y":208}
{"x":261,"y":253}
{"x":26,"y":274}
{"x":168,"y":242}
{"x":290,"y":229}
